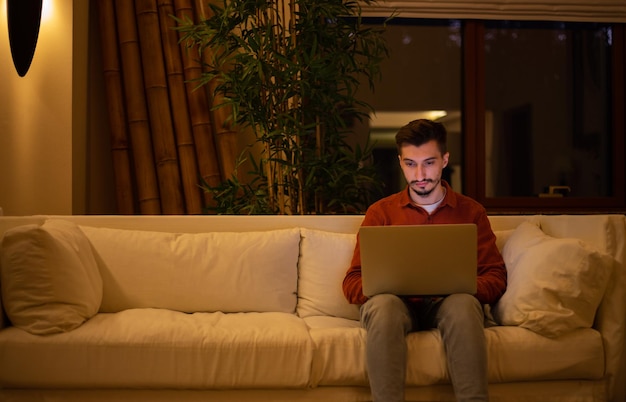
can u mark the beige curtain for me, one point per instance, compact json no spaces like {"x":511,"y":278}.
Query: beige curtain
{"x":165,"y":139}
{"x":555,"y":10}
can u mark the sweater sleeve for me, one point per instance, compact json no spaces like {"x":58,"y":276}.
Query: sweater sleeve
{"x":352,"y":284}
{"x":491,"y":275}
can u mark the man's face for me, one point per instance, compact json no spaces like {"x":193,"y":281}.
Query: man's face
{"x":422,"y":167}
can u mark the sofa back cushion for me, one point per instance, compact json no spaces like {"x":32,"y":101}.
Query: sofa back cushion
{"x":50,"y":279}
{"x":217,"y":271}
{"x":325,"y":258}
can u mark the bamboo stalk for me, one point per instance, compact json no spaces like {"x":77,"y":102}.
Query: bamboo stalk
{"x":287,"y":201}
{"x":180,"y":111}
{"x":225,"y":134}
{"x":280,"y":172}
{"x":319,"y":149}
{"x":120,"y":149}
{"x":270,"y":172}
{"x":158,"y":103}
{"x":199,"y":109}
{"x":145,"y":174}
{"x":299,"y":178}
{"x":275,"y":176}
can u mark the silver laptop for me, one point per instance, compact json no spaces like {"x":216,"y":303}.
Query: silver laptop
{"x":420,"y":260}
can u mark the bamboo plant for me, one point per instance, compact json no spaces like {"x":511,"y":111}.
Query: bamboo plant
{"x":289,"y":71}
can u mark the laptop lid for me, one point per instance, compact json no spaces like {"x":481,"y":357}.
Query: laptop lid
{"x":418,"y":260}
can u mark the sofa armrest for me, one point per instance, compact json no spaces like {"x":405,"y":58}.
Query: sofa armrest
{"x":610,"y":316}
{"x":3,"y":319}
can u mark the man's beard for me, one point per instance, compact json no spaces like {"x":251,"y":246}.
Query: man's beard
{"x":424,"y":193}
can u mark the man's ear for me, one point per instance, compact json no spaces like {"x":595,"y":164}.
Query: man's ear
{"x":446,"y":156}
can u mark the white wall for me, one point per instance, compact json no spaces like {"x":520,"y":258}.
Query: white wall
{"x":42,"y":165}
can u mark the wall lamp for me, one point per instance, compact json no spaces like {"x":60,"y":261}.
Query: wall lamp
{"x":23,"y":20}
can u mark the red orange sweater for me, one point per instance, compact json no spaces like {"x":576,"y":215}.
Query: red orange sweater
{"x":398,"y":209}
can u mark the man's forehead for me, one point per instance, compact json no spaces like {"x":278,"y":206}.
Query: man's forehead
{"x":420,"y":153}
{"x":428,"y":150}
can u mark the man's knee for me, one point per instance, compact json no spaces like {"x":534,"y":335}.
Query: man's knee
{"x":461,"y":306}
{"x":386,"y":310}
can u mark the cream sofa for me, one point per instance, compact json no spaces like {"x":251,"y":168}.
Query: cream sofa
{"x":233,"y":308}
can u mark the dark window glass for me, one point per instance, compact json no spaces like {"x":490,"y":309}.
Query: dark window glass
{"x":547,"y":109}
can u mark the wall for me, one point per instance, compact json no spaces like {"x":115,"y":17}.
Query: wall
{"x":45,"y":134}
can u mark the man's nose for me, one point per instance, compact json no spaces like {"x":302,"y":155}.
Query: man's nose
{"x":419,"y":173}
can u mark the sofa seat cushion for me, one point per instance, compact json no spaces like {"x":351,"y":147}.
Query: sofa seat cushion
{"x":152,"y":348}
{"x":515,"y":354}
{"x":339,"y":356}
{"x":519,"y":354}
{"x":339,"y":351}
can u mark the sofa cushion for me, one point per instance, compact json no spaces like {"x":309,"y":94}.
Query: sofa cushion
{"x":339,"y":354}
{"x":324,"y":260}
{"x":162,"y":349}
{"x":518,"y":354}
{"x":50,"y":279}
{"x":554,"y":285}
{"x":191,"y":272}
{"x":339,"y":351}
{"x":515,"y":354}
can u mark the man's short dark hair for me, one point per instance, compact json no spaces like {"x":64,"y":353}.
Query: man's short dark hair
{"x":419,"y":132}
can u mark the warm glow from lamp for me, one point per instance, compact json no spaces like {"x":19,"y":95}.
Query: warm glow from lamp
{"x":47,"y":10}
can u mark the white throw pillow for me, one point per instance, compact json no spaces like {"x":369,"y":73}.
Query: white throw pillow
{"x":197,"y":272}
{"x":554,"y":285}
{"x":50,"y":279}
{"x":324,"y":259}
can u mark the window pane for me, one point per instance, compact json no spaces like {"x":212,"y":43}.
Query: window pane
{"x":420,"y":79}
{"x":548,"y":109}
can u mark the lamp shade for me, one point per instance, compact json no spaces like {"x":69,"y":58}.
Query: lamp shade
{"x":24,"y":19}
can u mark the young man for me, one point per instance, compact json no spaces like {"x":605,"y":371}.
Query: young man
{"x":459,"y":317}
